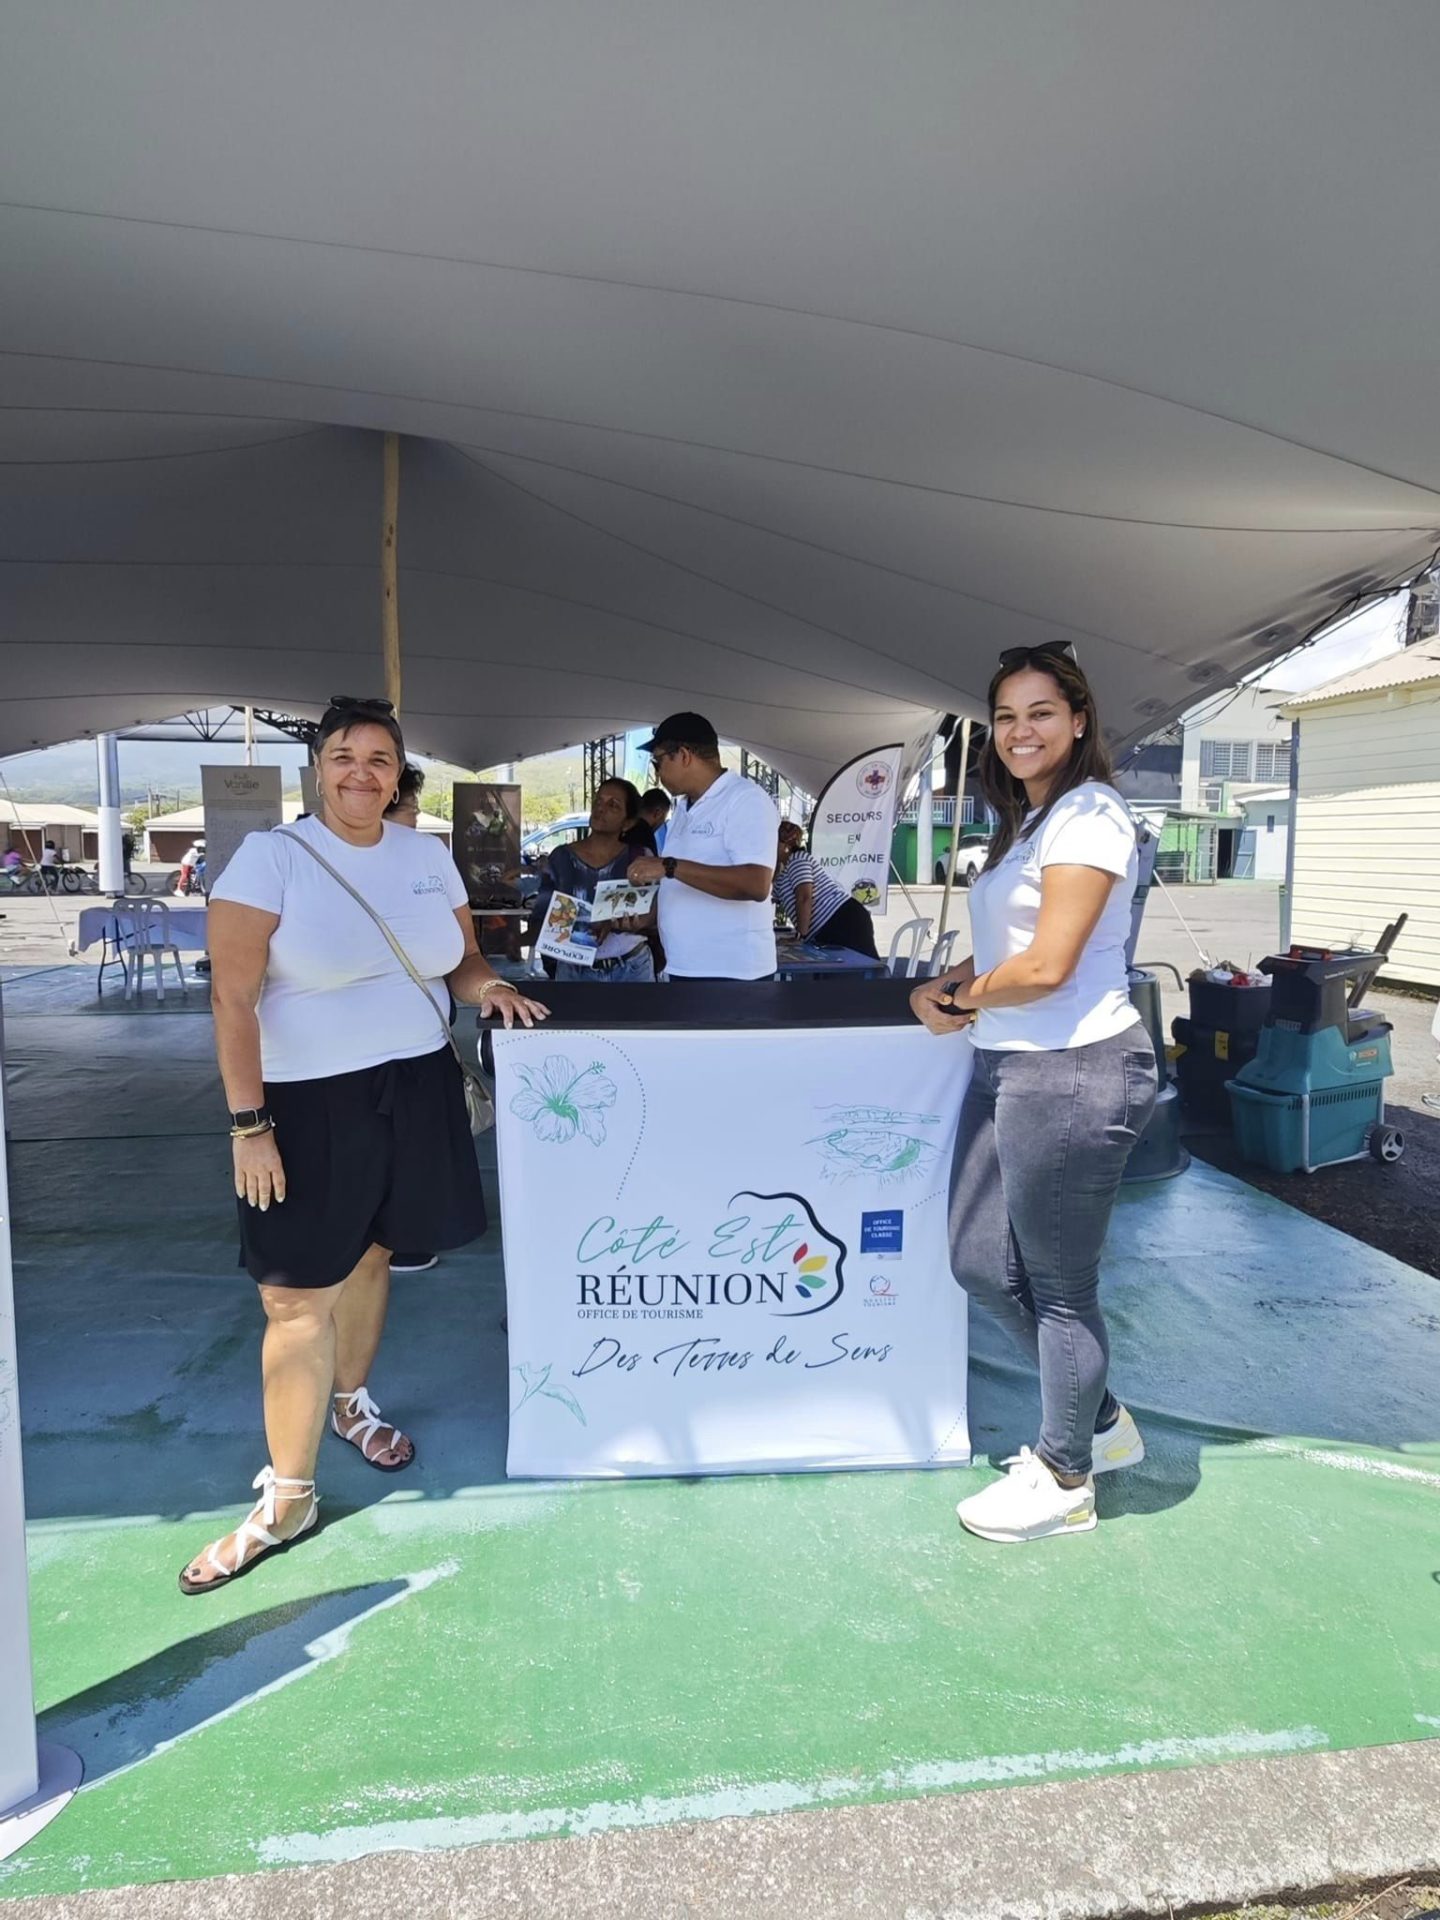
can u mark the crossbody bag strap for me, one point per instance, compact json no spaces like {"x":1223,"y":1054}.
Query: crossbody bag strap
{"x":395,"y":946}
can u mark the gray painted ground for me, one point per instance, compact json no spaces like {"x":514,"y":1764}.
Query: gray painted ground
{"x":1159,"y":1843}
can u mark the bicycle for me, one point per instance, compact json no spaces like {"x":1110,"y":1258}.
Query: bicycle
{"x":135,"y":883}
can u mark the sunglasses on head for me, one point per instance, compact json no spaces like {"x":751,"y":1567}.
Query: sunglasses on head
{"x":344,"y":702}
{"x":1013,"y":657}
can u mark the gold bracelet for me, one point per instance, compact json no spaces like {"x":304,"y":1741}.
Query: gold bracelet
{"x":494,"y":985}
{"x":251,"y":1133}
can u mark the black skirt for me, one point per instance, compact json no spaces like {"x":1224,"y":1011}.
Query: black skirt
{"x":849,"y":926}
{"x":381,"y":1157}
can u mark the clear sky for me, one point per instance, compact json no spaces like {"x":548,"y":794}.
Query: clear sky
{"x":1365,"y":636}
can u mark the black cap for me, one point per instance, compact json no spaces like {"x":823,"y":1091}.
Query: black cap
{"x":682,"y":730}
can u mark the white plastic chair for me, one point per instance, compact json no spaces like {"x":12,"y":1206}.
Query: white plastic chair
{"x":903,"y":960}
{"x":142,"y":929}
{"x":944,"y":955}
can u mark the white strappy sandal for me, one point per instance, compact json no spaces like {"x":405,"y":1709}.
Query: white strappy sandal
{"x":364,"y":1422}
{"x":256,"y":1532}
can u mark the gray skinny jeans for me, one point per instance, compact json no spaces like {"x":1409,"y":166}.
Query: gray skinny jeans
{"x":1042,"y":1143}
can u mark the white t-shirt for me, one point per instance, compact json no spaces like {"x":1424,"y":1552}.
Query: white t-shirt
{"x":734,"y":823}
{"x":1090,"y":827}
{"x":335,"y":998}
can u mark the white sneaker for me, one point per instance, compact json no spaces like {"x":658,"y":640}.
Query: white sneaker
{"x":1028,"y":1504}
{"x":1118,"y":1446}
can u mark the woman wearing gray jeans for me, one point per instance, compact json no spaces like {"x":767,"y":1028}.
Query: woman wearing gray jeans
{"x":1063,"y":1083}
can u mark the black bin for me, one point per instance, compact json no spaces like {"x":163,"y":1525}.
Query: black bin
{"x":1229,"y":1009}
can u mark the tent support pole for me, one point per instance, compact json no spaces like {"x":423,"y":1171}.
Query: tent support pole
{"x":389,"y":602}
{"x":955,"y":827}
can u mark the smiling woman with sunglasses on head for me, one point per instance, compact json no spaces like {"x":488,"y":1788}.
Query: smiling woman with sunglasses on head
{"x":349,"y":1129}
{"x":1063,"y":1082}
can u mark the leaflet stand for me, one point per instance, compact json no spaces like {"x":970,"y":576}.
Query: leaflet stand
{"x":36,"y":1778}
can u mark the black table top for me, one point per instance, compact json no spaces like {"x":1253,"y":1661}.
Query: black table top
{"x":710,"y":1005}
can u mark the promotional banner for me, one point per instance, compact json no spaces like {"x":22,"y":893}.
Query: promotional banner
{"x":485,"y":840}
{"x":238,"y":800}
{"x":854,"y":823}
{"x":725,"y":1252}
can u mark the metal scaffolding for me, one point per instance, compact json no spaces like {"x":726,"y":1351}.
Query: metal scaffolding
{"x":602,"y":762}
{"x":760,"y":772}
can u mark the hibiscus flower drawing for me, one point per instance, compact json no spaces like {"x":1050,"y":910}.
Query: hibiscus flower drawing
{"x":560,"y":1100}
{"x":535,"y":1381}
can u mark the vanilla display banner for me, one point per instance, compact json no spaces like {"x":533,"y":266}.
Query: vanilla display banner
{"x":726,"y":1252}
{"x":238,"y":800}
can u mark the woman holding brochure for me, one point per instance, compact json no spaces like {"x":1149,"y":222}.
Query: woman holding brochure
{"x":617,"y":836}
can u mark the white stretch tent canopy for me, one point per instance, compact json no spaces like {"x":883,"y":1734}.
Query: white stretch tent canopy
{"x":783,"y":361}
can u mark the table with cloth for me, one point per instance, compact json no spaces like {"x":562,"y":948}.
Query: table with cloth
{"x":186,"y":925}
{"x":724,"y":1208}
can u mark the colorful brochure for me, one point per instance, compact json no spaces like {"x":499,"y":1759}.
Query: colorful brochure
{"x":566,"y":933}
{"x":621,"y":900}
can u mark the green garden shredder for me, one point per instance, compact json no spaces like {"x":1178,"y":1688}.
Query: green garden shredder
{"x":1314,"y":1094}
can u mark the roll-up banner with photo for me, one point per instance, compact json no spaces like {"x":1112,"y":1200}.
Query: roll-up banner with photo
{"x":485,"y":840}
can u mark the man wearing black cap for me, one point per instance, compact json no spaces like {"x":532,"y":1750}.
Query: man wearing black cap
{"x":716,"y":920}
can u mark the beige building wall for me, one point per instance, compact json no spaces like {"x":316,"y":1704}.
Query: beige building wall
{"x":1367,"y":842}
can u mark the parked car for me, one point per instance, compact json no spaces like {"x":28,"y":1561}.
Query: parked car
{"x":968,"y":861}
{"x":536,"y":848}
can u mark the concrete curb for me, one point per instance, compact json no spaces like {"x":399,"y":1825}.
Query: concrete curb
{"x":1149,"y":1843}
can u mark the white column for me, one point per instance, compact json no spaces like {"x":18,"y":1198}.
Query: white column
{"x":35,"y":1780}
{"x":1287,"y":892}
{"x":112,"y":853}
{"x":19,"y":1768}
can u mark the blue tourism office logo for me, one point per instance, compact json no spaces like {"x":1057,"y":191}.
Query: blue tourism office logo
{"x":817,"y":1263}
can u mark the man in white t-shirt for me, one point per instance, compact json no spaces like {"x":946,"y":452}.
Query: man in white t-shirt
{"x":716,"y":921}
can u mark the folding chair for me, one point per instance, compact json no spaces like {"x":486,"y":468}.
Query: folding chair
{"x":944,"y":955}
{"x":903,"y":960}
{"x":142,"y":928}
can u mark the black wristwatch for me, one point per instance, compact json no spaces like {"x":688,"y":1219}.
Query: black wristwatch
{"x":249,"y":1118}
{"x":670,"y":863}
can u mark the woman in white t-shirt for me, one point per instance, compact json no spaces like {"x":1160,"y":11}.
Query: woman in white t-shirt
{"x":348,"y":1121}
{"x":1064,"y":1081}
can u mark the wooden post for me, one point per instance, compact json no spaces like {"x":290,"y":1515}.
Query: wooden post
{"x":389,"y":603}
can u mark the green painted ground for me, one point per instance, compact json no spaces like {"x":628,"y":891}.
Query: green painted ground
{"x":630,"y":1654}
{"x":461,"y":1659}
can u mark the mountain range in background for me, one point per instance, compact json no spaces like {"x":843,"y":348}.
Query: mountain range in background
{"x":169,"y":771}
{"x":166,"y":775}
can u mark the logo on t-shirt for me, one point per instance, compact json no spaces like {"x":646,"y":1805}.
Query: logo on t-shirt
{"x":430,"y":883}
